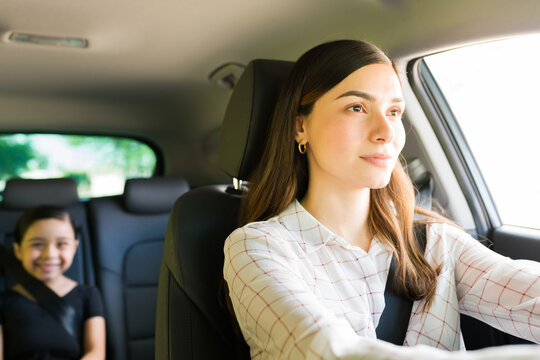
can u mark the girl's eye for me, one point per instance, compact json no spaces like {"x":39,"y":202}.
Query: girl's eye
{"x":37,"y":245}
{"x":356,"y":108}
{"x":395,"y":112}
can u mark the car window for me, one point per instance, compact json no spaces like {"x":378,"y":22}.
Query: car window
{"x":492,"y":90}
{"x":99,"y":164}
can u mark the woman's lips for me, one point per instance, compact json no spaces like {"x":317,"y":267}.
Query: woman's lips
{"x":379,"y":160}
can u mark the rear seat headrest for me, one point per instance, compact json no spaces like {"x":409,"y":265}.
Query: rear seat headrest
{"x":22,"y":194}
{"x":153,"y":196}
{"x":248,"y":115}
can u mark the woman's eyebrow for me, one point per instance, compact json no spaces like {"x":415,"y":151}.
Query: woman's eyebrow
{"x":366,"y":96}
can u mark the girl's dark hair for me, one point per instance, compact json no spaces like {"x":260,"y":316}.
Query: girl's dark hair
{"x":282,"y":174}
{"x":32,"y":215}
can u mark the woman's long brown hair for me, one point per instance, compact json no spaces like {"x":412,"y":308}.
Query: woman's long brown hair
{"x":282,"y":174}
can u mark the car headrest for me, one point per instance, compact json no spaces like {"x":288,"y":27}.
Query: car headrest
{"x":248,"y":115}
{"x":22,"y":194}
{"x":153,"y":196}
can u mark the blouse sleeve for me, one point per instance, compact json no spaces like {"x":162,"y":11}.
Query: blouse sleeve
{"x":279,"y":314}
{"x":502,"y":292}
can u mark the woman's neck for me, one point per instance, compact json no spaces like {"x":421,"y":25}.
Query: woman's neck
{"x":343,"y":212}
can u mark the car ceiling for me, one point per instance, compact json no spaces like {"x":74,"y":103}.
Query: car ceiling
{"x":170,"y":42}
{"x":145,"y":71}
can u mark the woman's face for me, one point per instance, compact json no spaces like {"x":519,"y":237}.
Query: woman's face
{"x":354,"y":132}
{"x":47,"y":248}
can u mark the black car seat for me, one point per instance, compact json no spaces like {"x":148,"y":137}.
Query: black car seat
{"x":192,"y":322}
{"x":129,"y":232}
{"x":22,"y":194}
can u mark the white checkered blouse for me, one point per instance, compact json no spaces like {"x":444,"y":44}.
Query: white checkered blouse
{"x":300,"y":291}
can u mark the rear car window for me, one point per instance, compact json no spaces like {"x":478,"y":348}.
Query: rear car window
{"x":99,"y":164}
{"x":492,"y":90}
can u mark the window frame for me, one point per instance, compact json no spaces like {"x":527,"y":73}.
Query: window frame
{"x":507,"y":240}
{"x":455,"y":146}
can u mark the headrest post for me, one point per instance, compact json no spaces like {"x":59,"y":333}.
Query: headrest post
{"x":237,"y":184}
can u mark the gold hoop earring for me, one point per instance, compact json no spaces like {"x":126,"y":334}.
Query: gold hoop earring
{"x":302,"y":148}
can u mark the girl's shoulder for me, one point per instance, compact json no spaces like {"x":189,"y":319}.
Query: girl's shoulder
{"x":91,"y":300}
{"x":10,"y":298}
{"x":19,"y":291}
{"x":87,"y":290}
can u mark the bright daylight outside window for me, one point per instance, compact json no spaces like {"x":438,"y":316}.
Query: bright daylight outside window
{"x":99,"y":164}
{"x":493,"y":90}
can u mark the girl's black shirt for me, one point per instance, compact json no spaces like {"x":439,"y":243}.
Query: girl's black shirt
{"x":30,"y":332}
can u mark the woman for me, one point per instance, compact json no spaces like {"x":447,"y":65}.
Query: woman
{"x":328,"y":206}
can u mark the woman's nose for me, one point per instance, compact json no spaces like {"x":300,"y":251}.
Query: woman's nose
{"x":382,"y":130}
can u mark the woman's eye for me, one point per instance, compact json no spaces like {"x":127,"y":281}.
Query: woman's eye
{"x":356,"y":108}
{"x":395,"y":112}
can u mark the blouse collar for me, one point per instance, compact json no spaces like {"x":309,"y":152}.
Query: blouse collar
{"x":312,"y":235}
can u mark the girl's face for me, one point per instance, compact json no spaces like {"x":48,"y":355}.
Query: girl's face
{"x":47,"y":248}
{"x":354,"y":132}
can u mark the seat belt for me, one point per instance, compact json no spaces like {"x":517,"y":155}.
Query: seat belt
{"x":395,"y":317}
{"x":60,"y":310}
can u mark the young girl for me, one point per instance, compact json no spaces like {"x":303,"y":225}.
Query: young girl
{"x":330,"y":204}
{"x":45,"y":244}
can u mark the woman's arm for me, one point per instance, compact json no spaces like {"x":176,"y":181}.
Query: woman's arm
{"x":94,"y":338}
{"x":502,"y":292}
{"x":279,"y":314}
